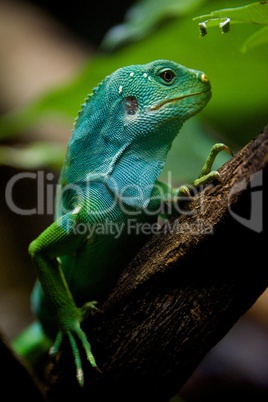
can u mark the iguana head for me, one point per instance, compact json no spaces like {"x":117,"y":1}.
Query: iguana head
{"x":126,"y":127}
{"x":159,"y":94}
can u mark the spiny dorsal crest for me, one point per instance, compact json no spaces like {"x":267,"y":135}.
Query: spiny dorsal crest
{"x":90,"y":97}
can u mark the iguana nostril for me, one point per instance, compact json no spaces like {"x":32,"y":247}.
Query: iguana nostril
{"x":204,"y":78}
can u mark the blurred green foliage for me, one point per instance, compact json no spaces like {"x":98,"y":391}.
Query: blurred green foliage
{"x":154,"y":30}
{"x":254,"y":13}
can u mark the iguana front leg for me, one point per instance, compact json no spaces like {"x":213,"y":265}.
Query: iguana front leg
{"x":57,"y":240}
{"x":172,"y":195}
{"x":207,"y":175}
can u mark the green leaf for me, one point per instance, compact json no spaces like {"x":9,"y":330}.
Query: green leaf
{"x":258,"y":38}
{"x":255,"y":13}
{"x":143,"y":17}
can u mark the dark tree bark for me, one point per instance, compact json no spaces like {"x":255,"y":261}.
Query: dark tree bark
{"x":182,"y":293}
{"x":16,"y":383}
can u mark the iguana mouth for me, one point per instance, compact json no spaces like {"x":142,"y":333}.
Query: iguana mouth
{"x":172,"y":100}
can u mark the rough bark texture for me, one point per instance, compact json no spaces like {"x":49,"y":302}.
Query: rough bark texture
{"x":182,"y":293}
{"x":16,"y":383}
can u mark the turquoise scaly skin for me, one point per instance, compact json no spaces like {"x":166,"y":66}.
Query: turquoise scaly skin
{"x":108,"y":188}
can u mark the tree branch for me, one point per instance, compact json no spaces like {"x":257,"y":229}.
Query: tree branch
{"x":182,"y":293}
{"x":16,"y":381}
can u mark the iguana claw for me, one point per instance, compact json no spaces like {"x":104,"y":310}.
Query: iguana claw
{"x":75,"y":349}
{"x":73,"y":333}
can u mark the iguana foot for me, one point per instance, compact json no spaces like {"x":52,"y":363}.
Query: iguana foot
{"x":90,"y":308}
{"x":74,"y":334}
{"x":207,"y":176}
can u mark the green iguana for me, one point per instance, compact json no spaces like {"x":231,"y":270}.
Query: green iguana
{"x":110,"y":175}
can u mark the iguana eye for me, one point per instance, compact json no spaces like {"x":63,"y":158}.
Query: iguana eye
{"x":167,"y":75}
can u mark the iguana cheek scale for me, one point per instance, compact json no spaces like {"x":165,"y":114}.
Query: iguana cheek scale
{"x":109,"y":180}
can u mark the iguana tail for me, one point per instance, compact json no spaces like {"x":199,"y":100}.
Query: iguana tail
{"x":32,"y":343}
